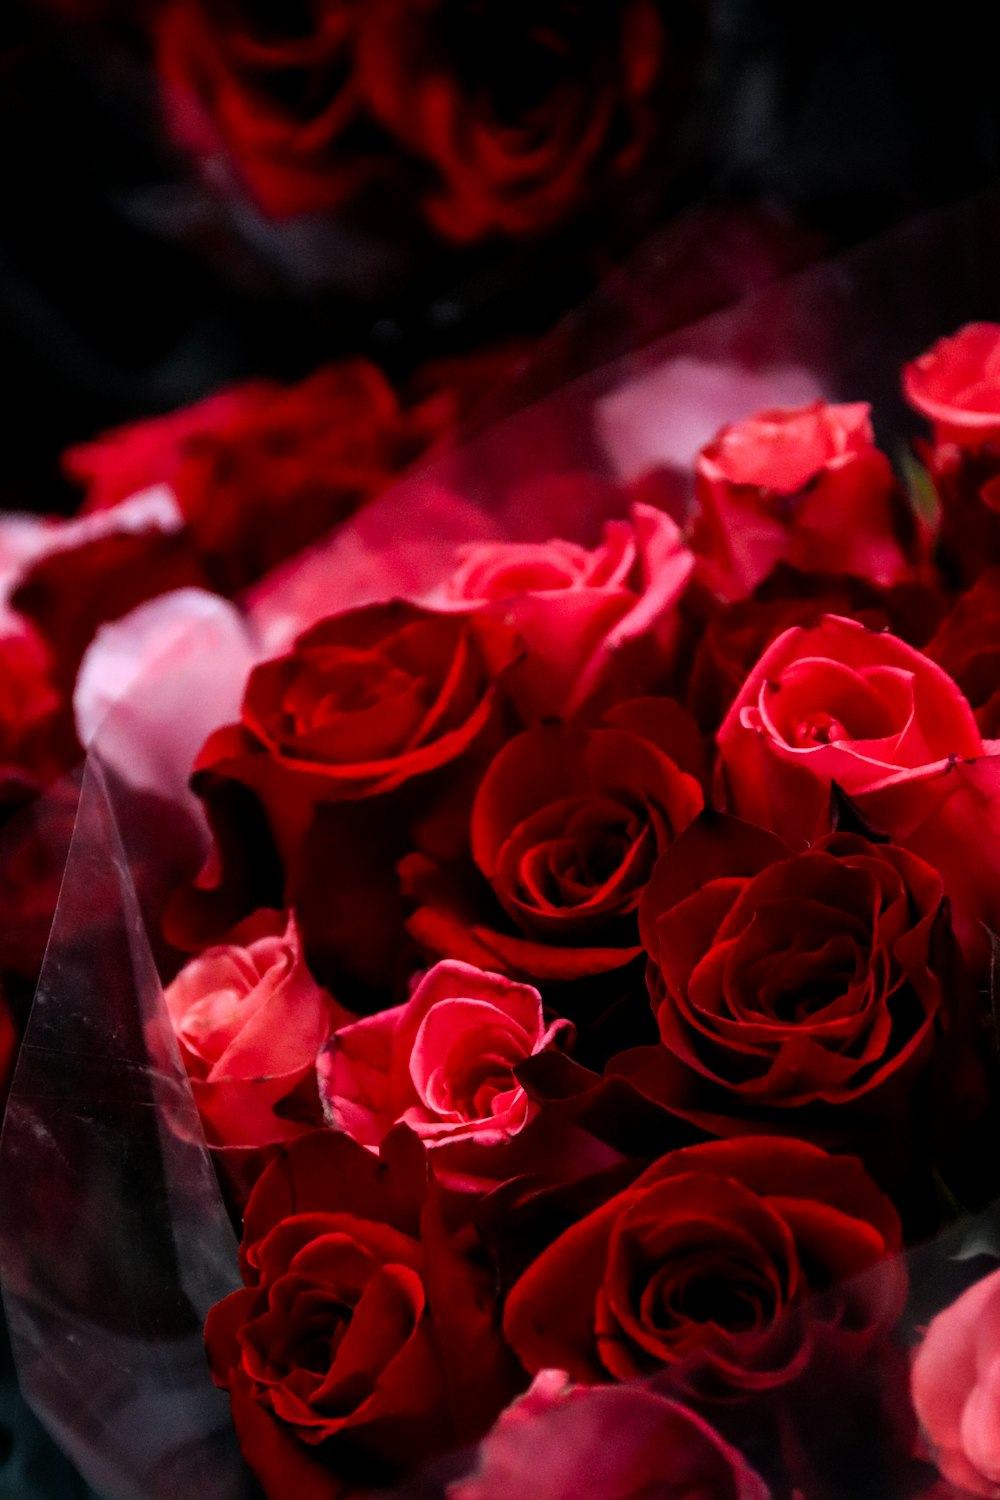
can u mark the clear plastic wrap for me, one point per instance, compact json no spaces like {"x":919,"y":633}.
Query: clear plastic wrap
{"x":114,"y":1239}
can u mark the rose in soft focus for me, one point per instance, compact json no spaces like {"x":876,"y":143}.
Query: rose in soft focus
{"x":585,"y":616}
{"x":805,"y":486}
{"x":565,"y":830}
{"x":522,"y":116}
{"x":835,"y":702}
{"x":250,"y":1020}
{"x":700,"y":1259}
{"x":956,"y":385}
{"x":560,"y":1441}
{"x":443,"y":1063}
{"x":362,"y":1341}
{"x":956,"y":1388}
{"x":268,"y":90}
{"x":36,"y":738}
{"x":967,"y":646}
{"x":808,"y":990}
{"x":262,"y":470}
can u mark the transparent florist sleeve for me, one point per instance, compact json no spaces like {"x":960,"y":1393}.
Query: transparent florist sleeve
{"x":577,"y":1085}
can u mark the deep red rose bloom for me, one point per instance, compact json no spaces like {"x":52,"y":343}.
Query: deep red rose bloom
{"x":967,"y":645}
{"x":699,"y":1259}
{"x":956,"y":385}
{"x":566,"y":1442}
{"x":836,"y":702}
{"x":566,"y":827}
{"x":803,"y":992}
{"x":33,"y":732}
{"x":956,"y":1388}
{"x":348,"y":1351}
{"x":806,"y":486}
{"x":262,"y":470}
{"x":250,"y":1020}
{"x":519,"y":109}
{"x":270,"y":87}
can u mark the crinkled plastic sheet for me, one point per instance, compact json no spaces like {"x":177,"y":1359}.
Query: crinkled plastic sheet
{"x":114,"y":1239}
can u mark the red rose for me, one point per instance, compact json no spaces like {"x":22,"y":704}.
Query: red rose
{"x":566,"y":1442}
{"x":566,"y":827}
{"x":250,"y":1021}
{"x":35,"y":738}
{"x":836,"y":702}
{"x":347,"y":1353}
{"x":956,"y":385}
{"x":699,"y":1259}
{"x":804,"y":486}
{"x":520,"y":115}
{"x":367,"y":705}
{"x":956,"y":1388}
{"x":967,"y":646}
{"x":443,"y":1063}
{"x":583,"y":614}
{"x":262,"y":470}
{"x":796,"y":991}
{"x":728,"y":638}
{"x":272,"y":90}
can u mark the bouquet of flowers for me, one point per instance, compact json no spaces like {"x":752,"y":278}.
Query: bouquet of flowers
{"x":550,"y":926}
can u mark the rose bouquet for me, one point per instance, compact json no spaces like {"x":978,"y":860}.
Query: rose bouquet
{"x":568,"y":975}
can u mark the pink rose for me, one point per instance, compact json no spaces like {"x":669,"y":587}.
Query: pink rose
{"x":443,"y":1063}
{"x":806,"y":486}
{"x":250,"y":1020}
{"x":836,"y":702}
{"x":956,"y":383}
{"x":562,"y":1442}
{"x":578,"y":610}
{"x":956,"y":1388}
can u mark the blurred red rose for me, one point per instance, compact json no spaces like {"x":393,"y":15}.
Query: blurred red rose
{"x":443,"y":1063}
{"x":347,"y":1353}
{"x":36,"y":735}
{"x":565,"y":1442}
{"x":836,"y":702}
{"x":267,"y":89}
{"x":8,"y":1049}
{"x":262,"y":470}
{"x":967,"y":645}
{"x":250,"y":1021}
{"x":522,"y":113}
{"x":806,"y":486}
{"x":801,"y":992}
{"x":587,"y":617}
{"x":565,"y":830}
{"x":699,"y":1259}
{"x":956,"y":1388}
{"x":956,"y":385}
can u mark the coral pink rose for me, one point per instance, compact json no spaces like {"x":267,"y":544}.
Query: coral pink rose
{"x":443,"y":1063}
{"x":956,"y":1388}
{"x":805,"y":486}
{"x":578,"y":610}
{"x":836,"y":702}
{"x":250,"y":1020}
{"x":560,"y":1441}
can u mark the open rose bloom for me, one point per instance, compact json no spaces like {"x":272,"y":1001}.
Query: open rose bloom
{"x":519,"y":1020}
